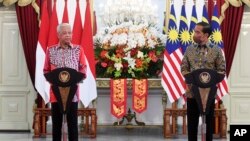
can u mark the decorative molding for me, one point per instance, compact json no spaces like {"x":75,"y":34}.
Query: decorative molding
{"x":14,"y":125}
{"x":240,"y":107}
{"x":14,"y":108}
{"x":105,"y":83}
{"x":239,"y":81}
{"x":239,"y":76}
{"x":15,"y":71}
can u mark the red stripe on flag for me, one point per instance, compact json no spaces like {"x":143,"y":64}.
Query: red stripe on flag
{"x":44,"y":27}
{"x":170,"y":90}
{"x":53,"y":25}
{"x":222,"y":90}
{"x":87,"y":40}
{"x":174,"y":67}
{"x":171,"y":76}
{"x":65,"y":13}
{"x":219,"y":94}
{"x":77,"y":29}
{"x":177,"y":57}
{"x":172,"y":79}
{"x":224,"y":85}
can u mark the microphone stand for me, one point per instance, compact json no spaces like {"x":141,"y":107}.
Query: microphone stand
{"x":203,"y":127}
{"x":64,"y":127}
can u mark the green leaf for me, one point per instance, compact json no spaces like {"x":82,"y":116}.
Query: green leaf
{"x":117,"y":74}
{"x":110,"y":70}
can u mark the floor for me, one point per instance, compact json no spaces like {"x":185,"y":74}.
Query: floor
{"x":105,"y":134}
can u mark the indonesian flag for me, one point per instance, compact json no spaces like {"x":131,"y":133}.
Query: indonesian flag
{"x":40,"y":81}
{"x":88,"y":90}
{"x":72,"y":12}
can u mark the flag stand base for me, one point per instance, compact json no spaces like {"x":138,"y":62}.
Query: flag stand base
{"x":129,"y":117}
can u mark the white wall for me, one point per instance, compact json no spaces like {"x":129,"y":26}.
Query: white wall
{"x":16,"y":91}
{"x":238,"y":103}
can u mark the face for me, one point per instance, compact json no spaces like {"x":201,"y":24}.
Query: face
{"x":199,"y":37}
{"x":65,"y":35}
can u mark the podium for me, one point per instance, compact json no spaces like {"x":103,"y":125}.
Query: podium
{"x":61,"y":79}
{"x":204,"y":90}
{"x":64,"y":85}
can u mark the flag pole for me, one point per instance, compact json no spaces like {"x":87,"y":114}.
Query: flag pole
{"x":167,"y":13}
{"x":91,"y":2}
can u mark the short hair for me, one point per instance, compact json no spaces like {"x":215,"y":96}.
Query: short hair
{"x":59,"y":27}
{"x":206,"y":28}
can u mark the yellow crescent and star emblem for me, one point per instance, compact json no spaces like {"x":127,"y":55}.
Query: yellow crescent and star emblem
{"x":216,"y":37}
{"x":172,"y":35}
{"x":185,"y":37}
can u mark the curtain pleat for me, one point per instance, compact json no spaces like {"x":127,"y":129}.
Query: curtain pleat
{"x":29,"y":29}
{"x":230,"y":29}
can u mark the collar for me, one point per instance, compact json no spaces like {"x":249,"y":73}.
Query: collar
{"x":208,"y":44}
{"x":201,"y":46}
{"x":58,"y":46}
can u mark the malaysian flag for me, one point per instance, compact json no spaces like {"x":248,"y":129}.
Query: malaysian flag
{"x":184,"y":34}
{"x":172,"y":79}
{"x":193,"y":22}
{"x":216,"y":38}
{"x":204,"y":14}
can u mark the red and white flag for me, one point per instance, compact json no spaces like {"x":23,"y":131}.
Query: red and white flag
{"x":40,"y":81}
{"x":77,"y":28}
{"x":65,"y":13}
{"x":88,"y":91}
{"x":52,"y":38}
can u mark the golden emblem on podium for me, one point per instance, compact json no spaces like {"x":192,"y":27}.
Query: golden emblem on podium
{"x":64,"y":76}
{"x":205,"y":77}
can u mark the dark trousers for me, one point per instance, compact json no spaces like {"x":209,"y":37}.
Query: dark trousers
{"x":193,"y":120}
{"x":57,"y":119}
